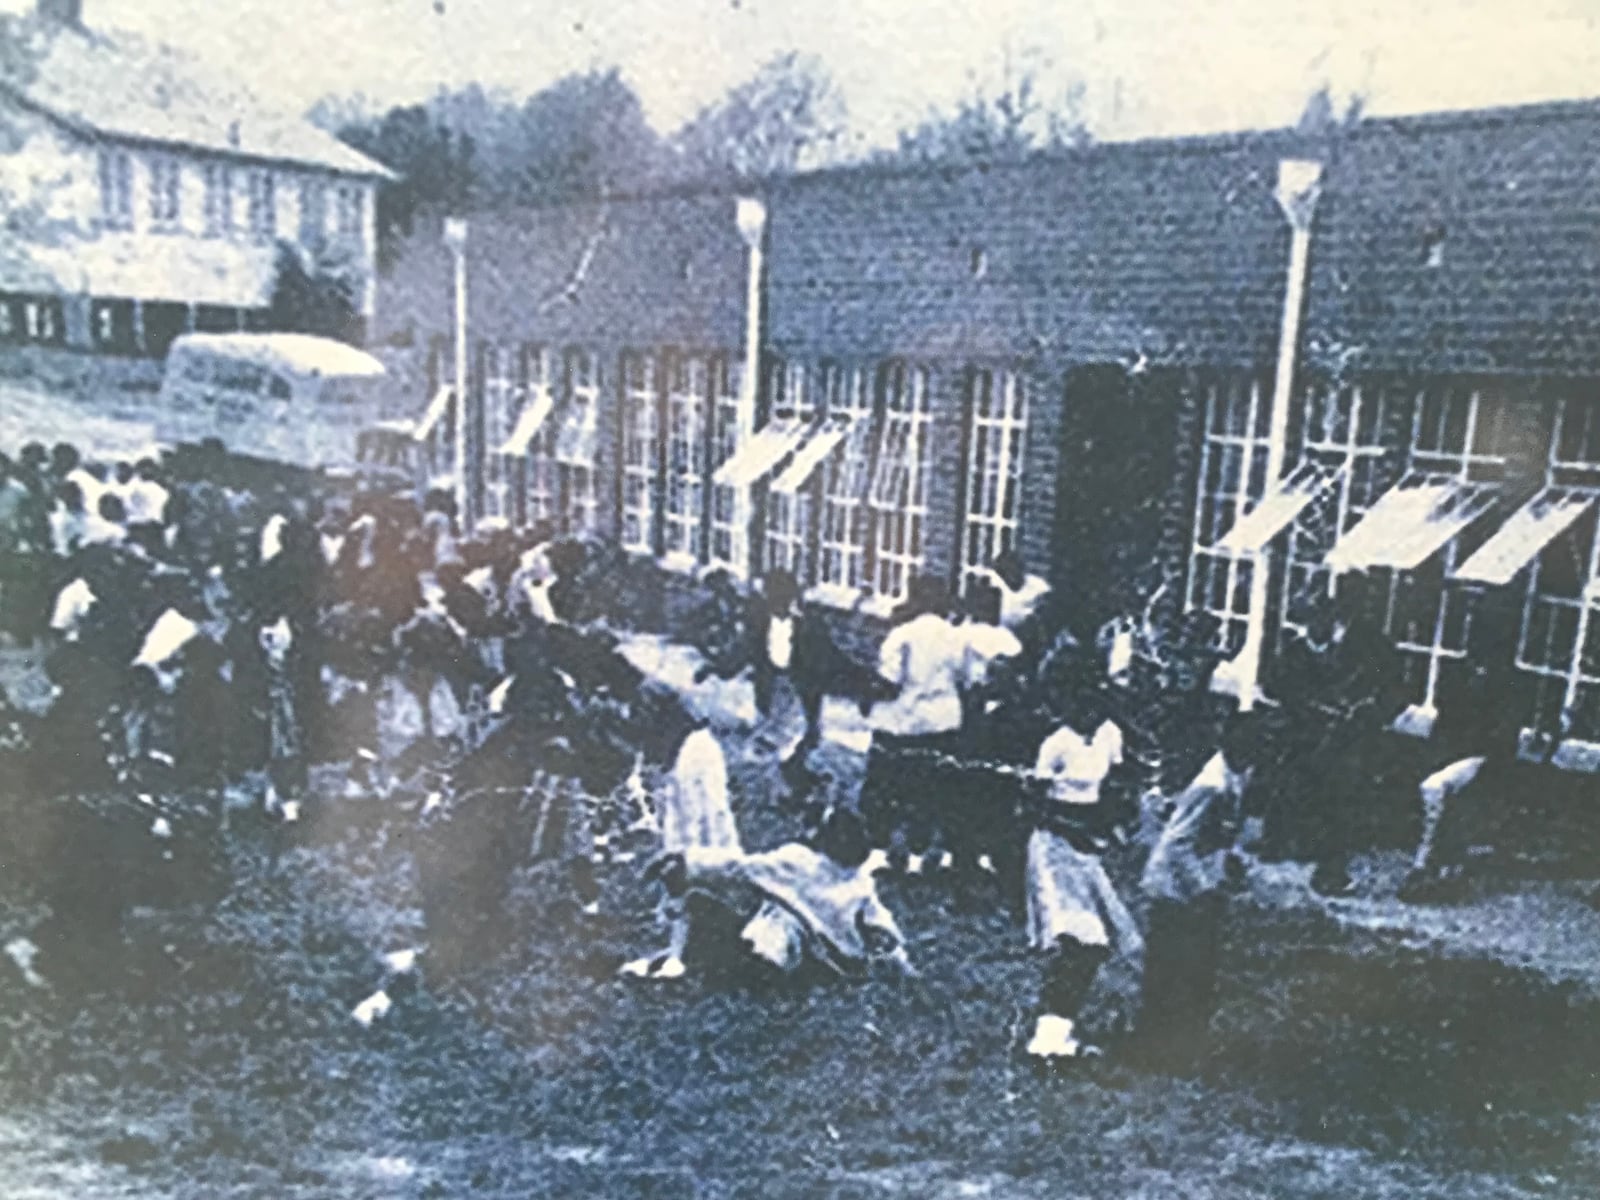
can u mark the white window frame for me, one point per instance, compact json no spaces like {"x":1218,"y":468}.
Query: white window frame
{"x":166,"y":193}
{"x":541,"y":492}
{"x":730,"y":506}
{"x":683,"y":516}
{"x":582,"y":493}
{"x":1561,"y":667}
{"x":502,"y":402}
{"x":842,"y":537}
{"x":261,"y":204}
{"x":350,"y":210}
{"x":1348,"y":439}
{"x":900,"y":521}
{"x":1235,"y":430}
{"x":788,"y":517}
{"x":997,"y":401}
{"x":219,"y":199}
{"x":313,"y":211}
{"x":1433,"y":452}
{"x":640,"y":451}
{"x":116,"y":188}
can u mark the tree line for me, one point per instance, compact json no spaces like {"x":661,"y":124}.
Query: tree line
{"x":585,"y":135}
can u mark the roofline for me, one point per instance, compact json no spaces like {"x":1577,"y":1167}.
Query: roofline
{"x":85,"y":130}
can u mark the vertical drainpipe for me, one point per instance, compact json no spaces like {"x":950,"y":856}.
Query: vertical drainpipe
{"x":752,"y":221}
{"x":1299,"y":186}
{"x":455,"y":236}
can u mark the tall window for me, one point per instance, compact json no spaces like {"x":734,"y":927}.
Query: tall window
{"x":998,"y":410}
{"x":313,"y":213}
{"x":1559,"y":644}
{"x":1460,"y":434}
{"x":262,"y":204}
{"x":1343,"y":433}
{"x":900,"y":482}
{"x":166,"y":193}
{"x":219,"y":199}
{"x":541,"y":497}
{"x":116,"y":189}
{"x":730,"y":506}
{"x":639,"y":452}
{"x":500,"y":407}
{"x":842,"y":569}
{"x":789,"y":515}
{"x":688,"y":399}
{"x":577,"y":442}
{"x":350,"y":213}
{"x":1232,"y":479}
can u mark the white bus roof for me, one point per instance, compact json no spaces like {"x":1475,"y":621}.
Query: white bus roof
{"x":295,"y":353}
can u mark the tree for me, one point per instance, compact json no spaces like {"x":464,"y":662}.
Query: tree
{"x":320,"y":295}
{"x":434,"y":169}
{"x":788,"y":115}
{"x":1321,"y":118}
{"x":584,"y":135}
{"x":999,"y":123}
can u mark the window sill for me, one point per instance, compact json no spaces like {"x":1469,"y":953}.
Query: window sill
{"x":881,"y":607}
{"x":836,"y":595}
{"x":680,"y":563}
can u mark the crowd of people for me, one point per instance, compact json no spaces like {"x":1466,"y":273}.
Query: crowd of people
{"x":204,"y":636}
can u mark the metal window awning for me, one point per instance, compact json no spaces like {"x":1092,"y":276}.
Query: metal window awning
{"x":1522,"y":538}
{"x":762,"y":453}
{"x":812,"y":453}
{"x":433,"y":414}
{"x":529,"y":421}
{"x":1277,"y":510}
{"x":1410,"y":523}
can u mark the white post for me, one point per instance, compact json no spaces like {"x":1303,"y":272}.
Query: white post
{"x":455,"y":236}
{"x":1299,"y":185}
{"x":752,"y":221}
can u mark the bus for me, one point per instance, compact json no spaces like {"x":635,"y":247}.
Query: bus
{"x":285,"y":398}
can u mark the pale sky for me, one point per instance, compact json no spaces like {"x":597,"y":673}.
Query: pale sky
{"x":1150,"y":66}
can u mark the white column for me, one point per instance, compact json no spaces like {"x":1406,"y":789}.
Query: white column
{"x":1299,"y":185}
{"x":455,"y":236}
{"x":752,"y":221}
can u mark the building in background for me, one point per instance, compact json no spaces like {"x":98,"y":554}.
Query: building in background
{"x":146,"y":197}
{"x":1212,"y":371}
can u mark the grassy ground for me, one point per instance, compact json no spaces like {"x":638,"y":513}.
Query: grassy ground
{"x":222,"y":1061}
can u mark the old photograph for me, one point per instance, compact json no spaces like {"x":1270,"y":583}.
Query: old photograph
{"x":701,"y":599}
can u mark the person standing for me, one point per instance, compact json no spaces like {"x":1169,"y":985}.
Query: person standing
{"x":1076,"y":920}
{"x":1186,"y":878}
{"x":922,"y":664}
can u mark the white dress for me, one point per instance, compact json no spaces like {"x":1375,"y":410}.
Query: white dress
{"x":693,"y":809}
{"x":1069,"y":894}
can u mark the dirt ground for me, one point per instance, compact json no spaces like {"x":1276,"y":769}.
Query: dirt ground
{"x":1372,"y":1052}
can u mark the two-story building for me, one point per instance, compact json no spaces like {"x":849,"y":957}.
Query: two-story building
{"x":144,"y":197}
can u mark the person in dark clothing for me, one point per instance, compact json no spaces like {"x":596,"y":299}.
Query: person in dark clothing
{"x":1343,"y":684}
{"x":1472,"y":751}
{"x":1193,"y":866}
{"x":787,"y":642}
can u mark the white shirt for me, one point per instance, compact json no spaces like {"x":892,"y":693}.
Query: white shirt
{"x":171,"y":632}
{"x":90,"y":485}
{"x":272,"y":537}
{"x":1018,"y":605}
{"x":987,"y":644}
{"x":146,"y":502}
{"x":1076,"y":766}
{"x":780,"y":642}
{"x":926,"y":658}
{"x":72,"y":605}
